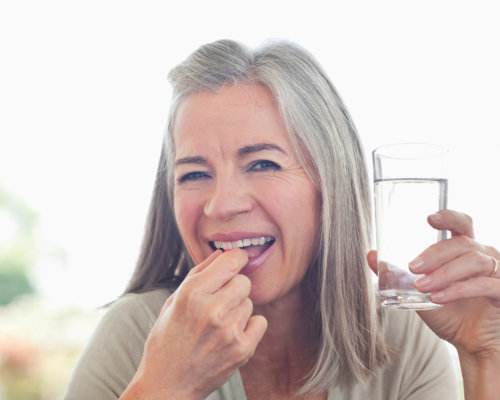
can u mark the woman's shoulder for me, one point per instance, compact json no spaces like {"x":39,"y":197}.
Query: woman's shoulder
{"x":112,"y":356}
{"x":129,"y":319}
{"x":148,"y":303}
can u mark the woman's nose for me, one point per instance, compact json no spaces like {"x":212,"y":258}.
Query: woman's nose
{"x":227,"y":198}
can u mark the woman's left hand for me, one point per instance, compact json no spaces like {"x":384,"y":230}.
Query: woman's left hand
{"x":464,"y":276}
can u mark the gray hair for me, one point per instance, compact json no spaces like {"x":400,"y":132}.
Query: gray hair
{"x":350,"y":344}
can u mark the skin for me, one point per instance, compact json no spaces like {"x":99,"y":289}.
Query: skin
{"x":223,"y":316}
{"x":457,"y":274}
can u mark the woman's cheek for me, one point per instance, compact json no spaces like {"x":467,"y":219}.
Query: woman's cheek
{"x":185,"y":216}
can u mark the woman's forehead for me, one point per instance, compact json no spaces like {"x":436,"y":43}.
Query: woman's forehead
{"x":241,"y":113}
{"x":239,"y":96}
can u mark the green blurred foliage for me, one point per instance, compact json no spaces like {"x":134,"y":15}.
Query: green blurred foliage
{"x":18,"y":250}
{"x":13,"y":284}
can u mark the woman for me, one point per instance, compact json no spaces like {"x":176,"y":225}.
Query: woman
{"x":253,"y":280}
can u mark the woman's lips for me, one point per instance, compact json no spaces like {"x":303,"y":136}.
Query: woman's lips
{"x":256,"y":260}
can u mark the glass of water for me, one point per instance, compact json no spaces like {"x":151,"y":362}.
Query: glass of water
{"x":410,"y":184}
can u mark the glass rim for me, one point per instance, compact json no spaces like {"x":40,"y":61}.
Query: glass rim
{"x":411,"y":151}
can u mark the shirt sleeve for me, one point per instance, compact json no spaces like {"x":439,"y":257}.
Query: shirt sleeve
{"x":111,"y":358}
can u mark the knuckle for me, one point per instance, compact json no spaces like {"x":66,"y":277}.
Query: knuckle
{"x":193,"y":297}
{"x":487,"y":261}
{"x":215,"y":317}
{"x":444,"y":275}
{"x":468,"y":219}
{"x":477,"y":262}
{"x":477,"y":257}
{"x":466,"y":242}
{"x":189,"y":284}
{"x":248,"y":306}
{"x":191,"y":300}
{"x":242,"y":351}
{"x":229,"y":336}
{"x":483,"y":261}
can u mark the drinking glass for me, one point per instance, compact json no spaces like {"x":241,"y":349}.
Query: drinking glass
{"x":410,"y":184}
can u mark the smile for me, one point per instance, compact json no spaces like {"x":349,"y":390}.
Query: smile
{"x":263,"y":240}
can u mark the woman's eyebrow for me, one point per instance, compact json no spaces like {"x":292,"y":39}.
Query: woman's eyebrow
{"x":191,"y":160}
{"x":252,"y":148}
{"x":243,"y":151}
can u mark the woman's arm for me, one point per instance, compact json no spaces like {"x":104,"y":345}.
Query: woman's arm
{"x":481,"y":376}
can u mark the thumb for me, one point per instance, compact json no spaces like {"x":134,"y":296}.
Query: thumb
{"x":205,"y":263}
{"x":371,"y":257}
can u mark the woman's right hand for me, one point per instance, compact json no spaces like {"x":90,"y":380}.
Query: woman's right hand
{"x":204,"y":332}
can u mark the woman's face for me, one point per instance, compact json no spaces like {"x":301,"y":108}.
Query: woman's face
{"x":238,"y":182}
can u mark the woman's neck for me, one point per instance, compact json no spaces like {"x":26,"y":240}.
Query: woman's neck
{"x":287,"y":351}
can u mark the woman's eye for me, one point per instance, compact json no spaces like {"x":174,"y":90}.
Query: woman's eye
{"x":193,"y":176}
{"x":264,"y":165}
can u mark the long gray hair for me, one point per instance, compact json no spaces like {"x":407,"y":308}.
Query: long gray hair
{"x":350,"y":344}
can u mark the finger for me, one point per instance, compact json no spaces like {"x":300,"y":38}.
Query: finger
{"x":198,"y":280}
{"x":371,"y":257}
{"x":475,"y":287}
{"x":247,"y":342}
{"x":469,"y":265}
{"x":442,"y":252}
{"x":455,"y":222}
{"x":256,"y":327}
{"x":220,"y":316}
{"x":225,"y":267}
{"x":234,"y":291}
{"x":242,"y":313}
{"x":205,"y":263}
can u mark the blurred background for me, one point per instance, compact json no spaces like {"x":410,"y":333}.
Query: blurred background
{"x":83,"y":106}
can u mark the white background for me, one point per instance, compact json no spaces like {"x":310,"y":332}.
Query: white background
{"x":84,"y":99}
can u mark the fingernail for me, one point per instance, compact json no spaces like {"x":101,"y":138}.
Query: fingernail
{"x":416,"y":264}
{"x":437,"y":296}
{"x":423,"y":281}
{"x":436,"y":217}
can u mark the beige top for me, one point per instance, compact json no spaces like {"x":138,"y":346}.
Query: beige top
{"x":422,"y":370}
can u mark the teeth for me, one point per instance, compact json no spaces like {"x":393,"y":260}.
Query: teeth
{"x":242,"y":243}
{"x":236,"y":244}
